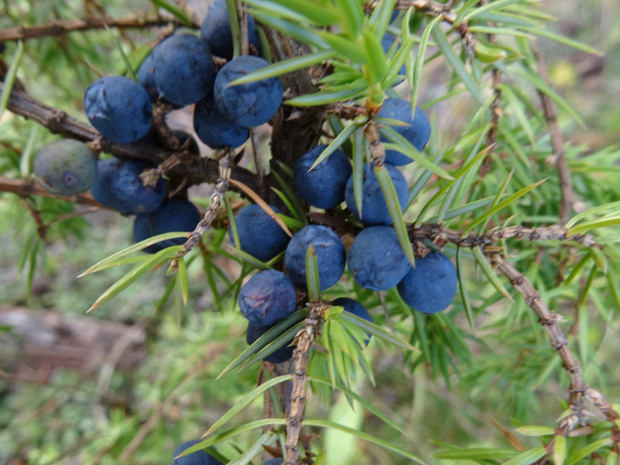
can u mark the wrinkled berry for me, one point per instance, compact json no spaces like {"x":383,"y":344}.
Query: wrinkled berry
{"x":330,"y":255}
{"x":216,"y":129}
{"x":118,"y":108}
{"x":259,"y":234}
{"x":133,"y":196}
{"x":268,"y":297}
{"x":183,"y":69}
{"x":324,"y":186}
{"x":102,"y":187}
{"x":376,"y":259}
{"x":250,"y":104}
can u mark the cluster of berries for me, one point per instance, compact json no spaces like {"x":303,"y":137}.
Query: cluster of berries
{"x":375,"y":259}
{"x":181,"y":71}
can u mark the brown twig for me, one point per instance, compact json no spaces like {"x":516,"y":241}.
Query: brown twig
{"x":243,"y":28}
{"x":578,"y":389}
{"x":549,"y":320}
{"x":217,"y":199}
{"x":164,"y":133}
{"x":496,"y":112}
{"x":440,"y":235}
{"x":26,"y":187}
{"x":63,"y":26}
{"x":196,"y":169}
{"x":436,"y":9}
{"x":150,"y":177}
{"x":305,"y":337}
{"x":256,"y":156}
{"x":36,"y":215}
{"x":377,"y":151}
{"x":558,"y":158}
{"x":606,"y":408}
{"x":346,"y":110}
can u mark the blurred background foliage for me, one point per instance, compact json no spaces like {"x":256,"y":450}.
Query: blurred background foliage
{"x":466,"y":386}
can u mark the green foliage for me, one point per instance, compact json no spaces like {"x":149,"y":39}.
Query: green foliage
{"x":423,"y":378}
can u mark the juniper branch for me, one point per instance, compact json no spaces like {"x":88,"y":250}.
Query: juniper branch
{"x":63,"y":26}
{"x":440,"y":235}
{"x":558,"y":158}
{"x":578,"y":389}
{"x":496,"y":112}
{"x":606,"y":408}
{"x":217,"y":198}
{"x":436,"y":9}
{"x":26,"y":188}
{"x":194,"y":169}
{"x":305,"y":337}
{"x":549,"y":320}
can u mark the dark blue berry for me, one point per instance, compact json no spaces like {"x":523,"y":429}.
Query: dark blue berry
{"x":259,"y":234}
{"x":215,"y":30}
{"x":134,"y":198}
{"x":374,"y":208}
{"x":216,"y":129}
{"x":268,"y":297}
{"x":324,"y":186}
{"x":417,"y":130}
{"x":250,"y":104}
{"x":118,"y":108}
{"x":430,"y":287}
{"x":183,"y":69}
{"x":376,"y":259}
{"x":330,"y":255}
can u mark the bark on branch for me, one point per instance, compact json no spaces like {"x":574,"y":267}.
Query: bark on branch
{"x":578,"y":389}
{"x":440,"y":234}
{"x":26,"y":188}
{"x":294,"y":418}
{"x":60,"y":27}
{"x":558,"y":158}
{"x":195,"y":170}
